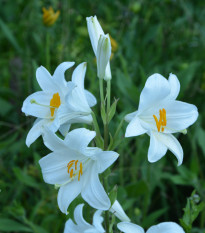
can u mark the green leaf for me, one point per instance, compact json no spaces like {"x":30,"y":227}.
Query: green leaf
{"x":6,"y":107}
{"x":9,"y":225}
{"x":112,"y":111}
{"x":7,"y":32}
{"x":151,"y":219}
{"x":24,"y":178}
{"x":191,"y":211}
{"x":200,"y":135}
{"x":113,"y":195}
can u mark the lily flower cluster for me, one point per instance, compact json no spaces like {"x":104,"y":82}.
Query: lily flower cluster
{"x":73,"y":166}
{"x":126,"y":227}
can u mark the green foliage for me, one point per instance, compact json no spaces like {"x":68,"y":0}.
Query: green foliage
{"x":191,"y":211}
{"x":153,"y":36}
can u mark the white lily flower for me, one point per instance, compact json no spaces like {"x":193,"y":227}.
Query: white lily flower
{"x":159,"y":115}
{"x":81,"y":225}
{"x":45,"y":104}
{"x":74,"y":168}
{"x":95,"y":30}
{"x":78,"y":101}
{"x":103,"y":54}
{"x":118,"y":211}
{"x":165,"y":227}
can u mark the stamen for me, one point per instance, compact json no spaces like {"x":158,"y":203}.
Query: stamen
{"x":70,"y":164}
{"x":80,"y":172}
{"x":55,"y":103}
{"x":76,"y":162}
{"x":71,"y":171}
{"x":162,"y":122}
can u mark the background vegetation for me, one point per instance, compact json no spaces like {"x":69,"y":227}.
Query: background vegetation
{"x":153,"y":36}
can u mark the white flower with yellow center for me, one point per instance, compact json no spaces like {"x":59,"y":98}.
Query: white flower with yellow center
{"x":45,"y":104}
{"x":74,"y":168}
{"x":165,"y":227}
{"x":81,"y":225}
{"x":159,"y":115}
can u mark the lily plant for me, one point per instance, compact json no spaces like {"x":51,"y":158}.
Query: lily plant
{"x":80,"y":160}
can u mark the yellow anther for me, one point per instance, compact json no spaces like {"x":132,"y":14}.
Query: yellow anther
{"x":70,"y":164}
{"x":162,"y":120}
{"x":49,"y":16}
{"x":76,"y":162}
{"x":71,"y":173}
{"x":80,"y":171}
{"x":55,"y":103}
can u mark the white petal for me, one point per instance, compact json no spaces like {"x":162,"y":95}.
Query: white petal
{"x":119,"y":212}
{"x":35,"y":131}
{"x":68,"y":193}
{"x":134,"y":128}
{"x":166,"y":227}
{"x":90,"y":98}
{"x":93,"y":192}
{"x":128,"y":227}
{"x":52,"y":141}
{"x":33,"y":109}
{"x":156,"y":148}
{"x":64,"y":129}
{"x":105,"y":159}
{"x":97,"y":220}
{"x":130,"y":116}
{"x":174,"y":85}
{"x":70,"y":227}
{"x":77,"y":101}
{"x":78,"y":216}
{"x":108,"y":75}
{"x":84,"y":119}
{"x":66,"y":114}
{"x":59,"y":76}
{"x":78,"y":139}
{"x":78,"y":75}
{"x":156,"y":89}
{"x":94,"y":30}
{"x":45,"y":80}
{"x":180,"y":116}
{"x":172,"y":144}
{"x":93,"y":230}
{"x":103,"y":54}
{"x":54,"y":168}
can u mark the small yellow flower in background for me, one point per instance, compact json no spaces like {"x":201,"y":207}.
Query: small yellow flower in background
{"x":114,"y":46}
{"x":49,"y":16}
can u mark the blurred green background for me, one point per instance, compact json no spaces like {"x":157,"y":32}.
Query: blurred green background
{"x":161,"y":36}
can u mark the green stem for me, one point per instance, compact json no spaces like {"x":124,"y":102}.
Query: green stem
{"x":108,"y":95}
{"x":101,"y":91}
{"x":47,"y":50}
{"x":106,"y":137}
